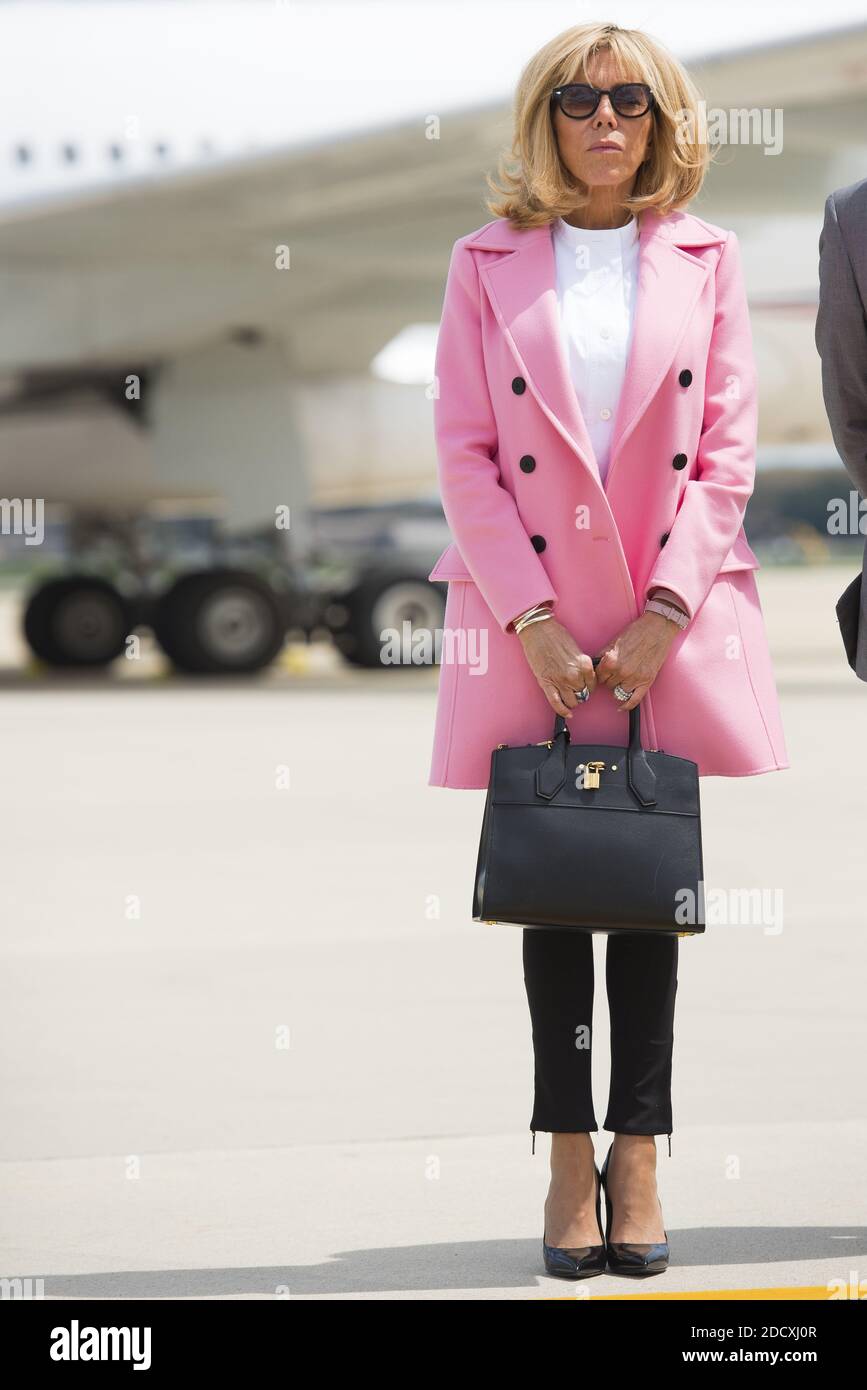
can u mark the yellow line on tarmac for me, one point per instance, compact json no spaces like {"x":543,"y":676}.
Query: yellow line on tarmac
{"x":812,"y":1292}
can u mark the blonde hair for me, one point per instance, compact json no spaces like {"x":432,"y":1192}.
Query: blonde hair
{"x":541,"y":188}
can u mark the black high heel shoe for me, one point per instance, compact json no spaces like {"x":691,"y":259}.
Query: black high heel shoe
{"x":626,"y":1258}
{"x":581,"y":1261}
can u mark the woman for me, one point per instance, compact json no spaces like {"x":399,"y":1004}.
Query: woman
{"x":595,"y":419}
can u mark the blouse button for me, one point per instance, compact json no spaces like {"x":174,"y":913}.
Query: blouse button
{"x":528,"y":463}
{"x":519,"y":385}
{"x":605,"y":414}
{"x":539,"y":542}
{"x":685,"y":377}
{"x":679,"y":461}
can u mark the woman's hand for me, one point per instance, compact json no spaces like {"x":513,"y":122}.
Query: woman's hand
{"x":634,"y":658}
{"x":558,"y":664}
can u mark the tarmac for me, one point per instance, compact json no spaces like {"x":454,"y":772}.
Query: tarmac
{"x":253,"y":1045}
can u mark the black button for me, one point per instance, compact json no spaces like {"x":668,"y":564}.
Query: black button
{"x":679,"y":461}
{"x":519,"y":386}
{"x":539,"y":542}
{"x":528,"y":463}
{"x":664,"y":538}
{"x":685,"y":377}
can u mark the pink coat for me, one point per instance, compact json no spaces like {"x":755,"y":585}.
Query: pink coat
{"x":531,"y":519}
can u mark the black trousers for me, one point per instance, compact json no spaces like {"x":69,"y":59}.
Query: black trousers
{"x":641,"y":978}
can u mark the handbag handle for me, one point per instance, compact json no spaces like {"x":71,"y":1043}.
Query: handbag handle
{"x":640,"y":776}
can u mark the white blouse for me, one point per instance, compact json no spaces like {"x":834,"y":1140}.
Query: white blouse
{"x":597,"y":284}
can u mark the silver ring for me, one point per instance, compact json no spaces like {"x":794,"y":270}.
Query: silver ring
{"x":622,"y":694}
{"x":583,"y":694}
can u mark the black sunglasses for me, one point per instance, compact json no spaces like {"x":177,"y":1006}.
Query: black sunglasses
{"x":579,"y":100}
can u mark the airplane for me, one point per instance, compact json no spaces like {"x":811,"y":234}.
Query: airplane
{"x":189,"y":329}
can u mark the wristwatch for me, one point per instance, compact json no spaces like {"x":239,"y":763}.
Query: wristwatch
{"x":668,"y":610}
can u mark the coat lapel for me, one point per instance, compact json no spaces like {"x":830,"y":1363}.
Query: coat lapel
{"x":522,"y":292}
{"x":521,"y":288}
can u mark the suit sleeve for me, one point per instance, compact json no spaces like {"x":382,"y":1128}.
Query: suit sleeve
{"x":713,"y":504}
{"x":482,"y":514}
{"x":841,"y":340}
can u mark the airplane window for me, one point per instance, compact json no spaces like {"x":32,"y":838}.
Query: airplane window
{"x":115,"y":152}
{"x":23,"y":154}
{"x":70,"y":153}
{"x":161,"y":149}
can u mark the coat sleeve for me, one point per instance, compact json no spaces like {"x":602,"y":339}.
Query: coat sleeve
{"x":841,"y":340}
{"x":482,"y":514}
{"x":712,"y":508}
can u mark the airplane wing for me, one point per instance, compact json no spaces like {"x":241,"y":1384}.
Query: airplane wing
{"x":145,"y":269}
{"x":138,"y":270}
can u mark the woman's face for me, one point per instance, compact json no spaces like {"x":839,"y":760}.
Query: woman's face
{"x":577,"y":140}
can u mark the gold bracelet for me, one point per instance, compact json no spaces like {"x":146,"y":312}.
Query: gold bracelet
{"x":527,"y":618}
{"x":527,"y":613}
{"x":544,"y":606}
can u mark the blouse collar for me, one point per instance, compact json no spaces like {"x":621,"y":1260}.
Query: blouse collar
{"x":623,"y":237}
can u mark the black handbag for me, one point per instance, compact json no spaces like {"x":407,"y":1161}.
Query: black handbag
{"x":591,"y":837}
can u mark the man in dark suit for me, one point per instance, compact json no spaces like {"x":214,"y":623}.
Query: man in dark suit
{"x":841,"y":338}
